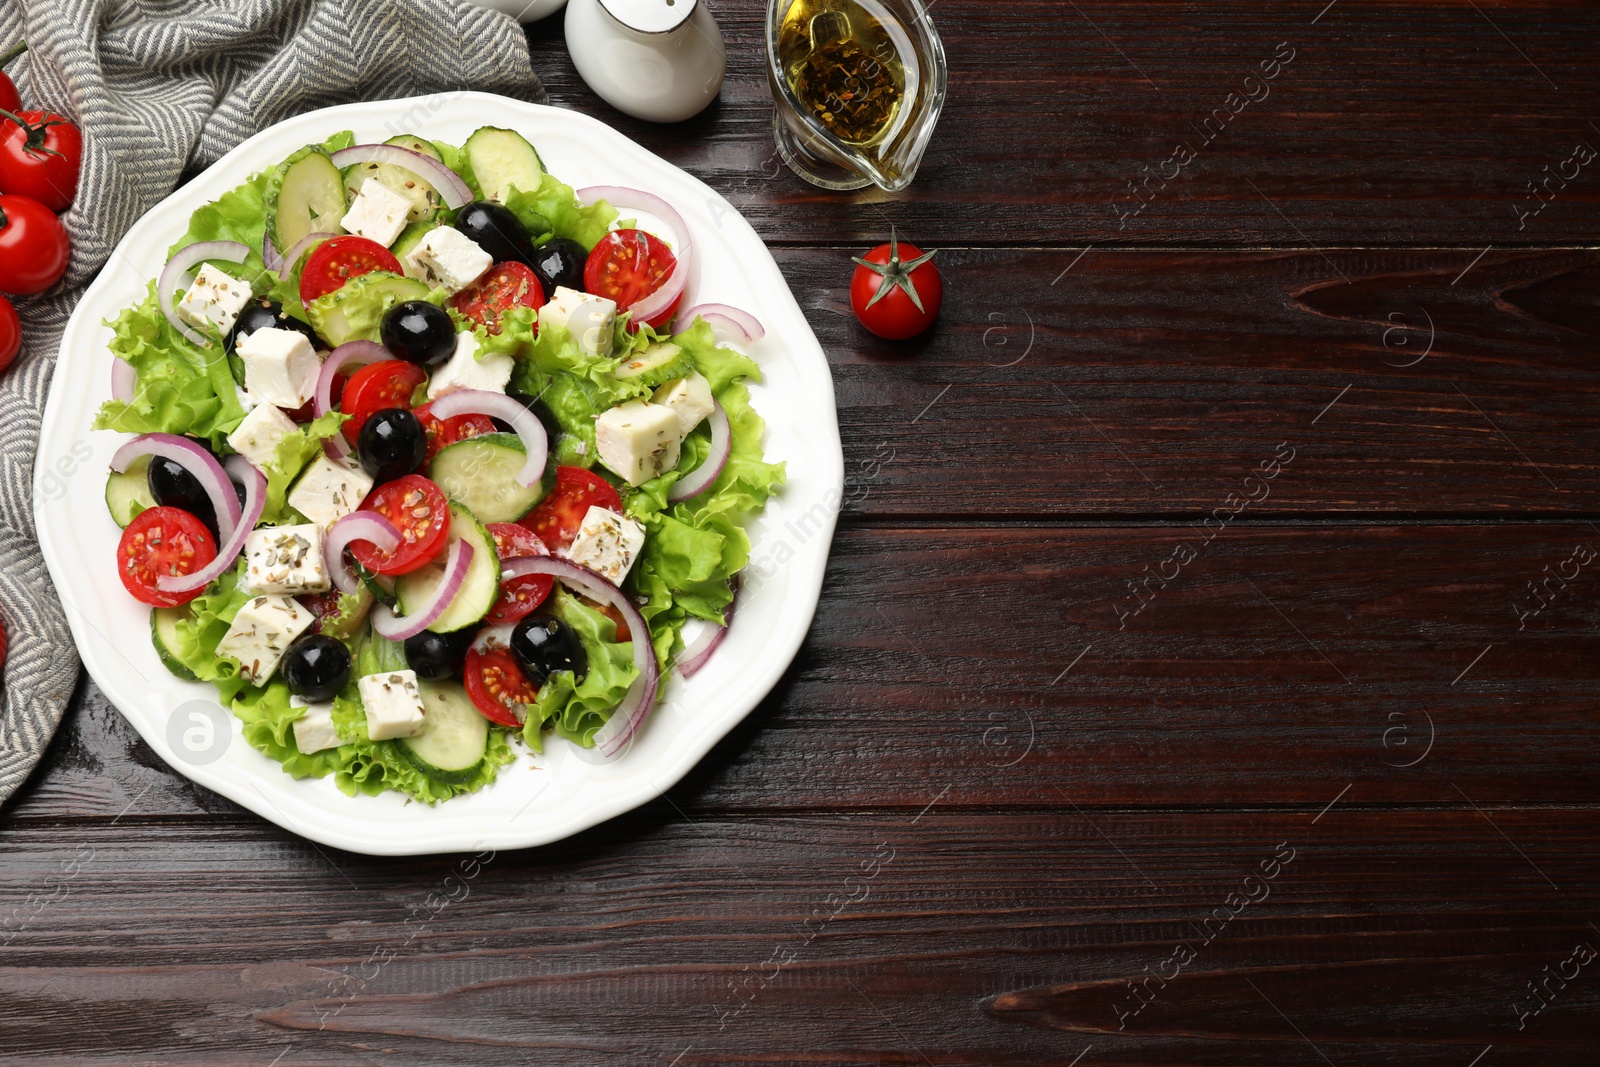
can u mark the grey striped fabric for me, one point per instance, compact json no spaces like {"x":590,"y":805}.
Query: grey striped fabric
{"x":161,"y":87}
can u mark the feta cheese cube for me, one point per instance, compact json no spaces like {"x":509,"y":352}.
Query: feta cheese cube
{"x":328,"y":491}
{"x":258,"y":435}
{"x":393,"y":704}
{"x":280,"y":366}
{"x":378,"y":213}
{"x":314,"y":731}
{"x":590,"y":319}
{"x":285,"y":559}
{"x":607,"y":543}
{"x":638,"y":440}
{"x":214,"y":298}
{"x":261,"y":632}
{"x":464,"y":370}
{"x":447,"y":258}
{"x":690,"y":397}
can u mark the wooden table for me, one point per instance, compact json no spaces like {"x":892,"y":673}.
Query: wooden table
{"x":1207,"y":667}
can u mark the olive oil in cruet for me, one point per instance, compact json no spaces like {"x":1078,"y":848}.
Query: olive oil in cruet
{"x":845,"y":65}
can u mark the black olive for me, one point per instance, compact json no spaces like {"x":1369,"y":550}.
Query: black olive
{"x":391,"y":444}
{"x":543,"y":644}
{"x":174,"y":487}
{"x":557,"y":262}
{"x":495,"y":230}
{"x":316,"y":667}
{"x":418,"y":332}
{"x":263,"y":313}
{"x":436,"y":657}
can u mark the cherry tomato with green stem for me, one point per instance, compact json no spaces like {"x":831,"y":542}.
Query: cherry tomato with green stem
{"x":896,"y":290}
{"x":40,"y":156}
{"x":33,"y":246}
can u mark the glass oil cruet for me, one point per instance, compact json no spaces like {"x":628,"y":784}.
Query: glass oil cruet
{"x":857,"y":87}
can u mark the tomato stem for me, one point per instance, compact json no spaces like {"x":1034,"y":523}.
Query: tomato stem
{"x":895,"y":273}
{"x":13,"y":52}
{"x":37,"y":132}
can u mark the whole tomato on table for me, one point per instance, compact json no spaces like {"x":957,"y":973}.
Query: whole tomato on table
{"x":896,"y":290}
{"x":10,"y":333}
{"x":40,"y":154}
{"x":10,"y":99}
{"x":33,"y":246}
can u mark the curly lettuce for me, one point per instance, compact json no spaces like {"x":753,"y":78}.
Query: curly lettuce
{"x":553,"y":210}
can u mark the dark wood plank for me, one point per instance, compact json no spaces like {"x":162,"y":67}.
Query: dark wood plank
{"x":1387,"y":937}
{"x":987,"y":667}
{"x":1394,"y":123}
{"x":1154,"y":383}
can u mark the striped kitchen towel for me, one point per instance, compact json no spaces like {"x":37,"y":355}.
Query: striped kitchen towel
{"x":161,"y":87}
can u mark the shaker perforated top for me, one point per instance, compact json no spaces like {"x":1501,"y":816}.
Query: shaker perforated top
{"x":650,"y":16}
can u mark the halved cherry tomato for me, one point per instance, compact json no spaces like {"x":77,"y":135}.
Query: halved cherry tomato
{"x":496,"y":685}
{"x":442,"y":432}
{"x":163,"y":541}
{"x":558,"y":516}
{"x":337,"y":260}
{"x":627,"y":266}
{"x":387,"y":383}
{"x":506,"y":286}
{"x":518,"y":596}
{"x":419,"y":511}
{"x":624,"y":635}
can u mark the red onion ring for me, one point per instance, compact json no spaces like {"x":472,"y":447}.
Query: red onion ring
{"x":202,"y":465}
{"x":399,"y":627}
{"x":269,"y":253}
{"x":366,"y":526}
{"x":452,"y":189}
{"x":124,"y":381}
{"x":699,"y":480}
{"x":351,"y":353}
{"x":178,"y":267}
{"x":500,"y":406}
{"x":695,"y":656}
{"x":301,"y":247}
{"x":727,"y":323}
{"x":652,"y":304}
{"x":636,"y":704}
{"x":255,"y":501}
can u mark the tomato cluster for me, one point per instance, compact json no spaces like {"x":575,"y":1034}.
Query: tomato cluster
{"x":40,"y":156}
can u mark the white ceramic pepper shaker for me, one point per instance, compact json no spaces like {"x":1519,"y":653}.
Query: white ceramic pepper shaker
{"x":659,"y":60}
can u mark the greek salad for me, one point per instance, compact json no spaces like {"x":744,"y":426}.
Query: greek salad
{"x":428,"y":461}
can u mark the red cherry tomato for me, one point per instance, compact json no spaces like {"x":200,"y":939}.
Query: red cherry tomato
{"x":507,"y":285}
{"x":518,"y":596}
{"x":420,"y":512}
{"x":387,"y":383}
{"x":558,"y":516}
{"x":163,"y":541}
{"x":10,"y":333}
{"x":40,"y":157}
{"x":337,"y":260}
{"x":629,"y":265}
{"x":496,"y":685}
{"x":442,"y":432}
{"x":33,"y":246}
{"x":896,"y":290}
{"x":10,"y":99}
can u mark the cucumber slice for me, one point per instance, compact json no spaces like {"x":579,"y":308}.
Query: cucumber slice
{"x":477,"y":593}
{"x":412,"y":236}
{"x":355,"y":310}
{"x":656,"y":365}
{"x":499,"y":159}
{"x":163,"y":634}
{"x":349,"y":613}
{"x":478,"y":472}
{"x":425,"y":199}
{"x":128,"y":493}
{"x":454,"y":735}
{"x":304,"y":195}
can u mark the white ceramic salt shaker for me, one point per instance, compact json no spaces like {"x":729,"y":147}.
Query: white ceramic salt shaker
{"x":659,"y":60}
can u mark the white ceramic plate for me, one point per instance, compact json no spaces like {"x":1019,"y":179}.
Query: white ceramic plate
{"x":535,"y":800}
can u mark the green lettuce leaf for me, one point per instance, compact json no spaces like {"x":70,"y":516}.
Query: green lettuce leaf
{"x":553,"y":208}
{"x":576,"y":711}
{"x":294,"y":451}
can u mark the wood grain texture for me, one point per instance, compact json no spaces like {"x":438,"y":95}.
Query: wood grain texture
{"x":1394,"y":123}
{"x":1387,"y":936}
{"x":997,"y":667}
